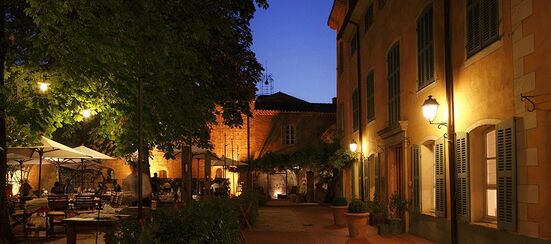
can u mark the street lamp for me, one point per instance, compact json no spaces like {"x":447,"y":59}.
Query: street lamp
{"x":353,"y":146}
{"x":86,"y":113}
{"x":43,"y":86}
{"x":430,"y":109}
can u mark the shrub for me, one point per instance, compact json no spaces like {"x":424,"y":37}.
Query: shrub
{"x":339,"y":201}
{"x":398,"y":205}
{"x":357,"y":206}
{"x":248,"y":200}
{"x":210,"y":221}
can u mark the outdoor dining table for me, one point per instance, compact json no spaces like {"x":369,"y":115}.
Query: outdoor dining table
{"x":79,"y":224}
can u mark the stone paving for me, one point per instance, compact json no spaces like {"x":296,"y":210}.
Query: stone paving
{"x":310,"y":224}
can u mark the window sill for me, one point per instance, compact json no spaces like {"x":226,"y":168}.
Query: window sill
{"x":486,"y":223}
{"x":427,"y":87}
{"x":483,"y":53}
{"x":429,"y":214}
{"x":371,"y":122}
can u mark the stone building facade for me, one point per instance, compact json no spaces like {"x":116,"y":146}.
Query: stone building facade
{"x":280,"y":124}
{"x":390,"y":58}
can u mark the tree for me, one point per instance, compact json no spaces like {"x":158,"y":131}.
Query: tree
{"x":193,"y":57}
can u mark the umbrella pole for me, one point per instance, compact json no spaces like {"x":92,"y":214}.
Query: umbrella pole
{"x":40,"y":153}
{"x":81,"y":174}
{"x":197,"y":185}
{"x":21,"y":179}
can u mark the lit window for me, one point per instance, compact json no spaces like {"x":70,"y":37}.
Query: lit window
{"x":491,"y":191}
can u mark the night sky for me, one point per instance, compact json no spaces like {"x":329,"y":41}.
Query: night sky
{"x":293,"y":39}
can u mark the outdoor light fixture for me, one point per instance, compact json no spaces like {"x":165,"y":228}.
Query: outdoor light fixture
{"x":353,"y":146}
{"x":430,"y":108}
{"x":86,"y":113}
{"x":43,"y":86}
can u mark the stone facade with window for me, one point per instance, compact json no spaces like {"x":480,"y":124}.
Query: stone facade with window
{"x":499,"y":50}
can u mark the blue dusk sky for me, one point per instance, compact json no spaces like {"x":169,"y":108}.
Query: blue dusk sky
{"x":292,"y":38}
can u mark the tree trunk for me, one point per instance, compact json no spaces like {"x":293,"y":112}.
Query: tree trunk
{"x":5,"y":227}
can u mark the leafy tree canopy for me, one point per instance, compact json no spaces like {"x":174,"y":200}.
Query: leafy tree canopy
{"x":193,"y":56}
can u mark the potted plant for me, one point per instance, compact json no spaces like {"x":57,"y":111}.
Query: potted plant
{"x":357,"y":217}
{"x":377,"y":213}
{"x":397,"y":206}
{"x":339,"y":206}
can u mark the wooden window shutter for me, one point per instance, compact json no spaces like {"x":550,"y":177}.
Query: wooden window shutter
{"x":463,"y":180}
{"x":506,"y":175}
{"x":366,"y":177}
{"x":440,"y":177}
{"x":416,"y":161}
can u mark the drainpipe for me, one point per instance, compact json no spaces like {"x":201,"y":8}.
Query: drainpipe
{"x":451,"y":119}
{"x":360,"y":132}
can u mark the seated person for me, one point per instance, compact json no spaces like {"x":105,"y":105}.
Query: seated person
{"x":167,"y":187}
{"x":26,"y":190}
{"x":155,"y":183}
{"x":57,"y":188}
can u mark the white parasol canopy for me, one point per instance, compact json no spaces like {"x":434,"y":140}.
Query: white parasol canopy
{"x":95,"y":155}
{"x":47,"y":149}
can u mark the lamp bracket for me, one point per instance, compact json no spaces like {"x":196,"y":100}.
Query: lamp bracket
{"x":439,"y":124}
{"x":527,"y":98}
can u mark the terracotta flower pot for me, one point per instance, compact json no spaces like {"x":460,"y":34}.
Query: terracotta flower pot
{"x":338,"y":215}
{"x":357,"y":224}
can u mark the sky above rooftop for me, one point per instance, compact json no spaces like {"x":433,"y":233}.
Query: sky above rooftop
{"x":292,"y":40}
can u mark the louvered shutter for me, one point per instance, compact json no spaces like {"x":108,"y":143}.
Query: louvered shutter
{"x":377,"y":178}
{"x":366,"y":178}
{"x":440,"y":178}
{"x":473,"y":26}
{"x":506,"y":175}
{"x":416,"y":160}
{"x":463,"y":179}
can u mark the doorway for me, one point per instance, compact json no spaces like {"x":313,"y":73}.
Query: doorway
{"x":395,"y":170}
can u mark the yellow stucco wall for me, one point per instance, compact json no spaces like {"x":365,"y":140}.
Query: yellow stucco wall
{"x":487,"y":89}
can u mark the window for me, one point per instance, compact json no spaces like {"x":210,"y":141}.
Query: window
{"x":355,"y":110}
{"x":425,"y":49}
{"x":491,"y":190}
{"x":370,"y":97}
{"x":353,"y":44}
{"x":368,"y":18}
{"x":340,"y":60}
{"x":289,"y":138}
{"x":393,"y":62}
{"x":482,"y":24}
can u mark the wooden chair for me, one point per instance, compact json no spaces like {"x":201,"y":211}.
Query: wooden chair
{"x":85,"y":203}
{"x":116,"y":200}
{"x":57,"y":207}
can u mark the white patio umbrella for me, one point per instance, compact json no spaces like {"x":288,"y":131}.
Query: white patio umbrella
{"x":47,"y":149}
{"x":92,"y":162}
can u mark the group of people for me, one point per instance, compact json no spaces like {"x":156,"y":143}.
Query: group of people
{"x":66,"y":188}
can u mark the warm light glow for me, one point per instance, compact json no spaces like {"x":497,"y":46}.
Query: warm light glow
{"x":353,"y":146}
{"x":430,"y":108}
{"x":43,"y":86}
{"x":86,"y":113}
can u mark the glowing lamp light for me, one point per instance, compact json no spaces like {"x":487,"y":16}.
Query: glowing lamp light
{"x":430,"y":108}
{"x":86,"y":113}
{"x":353,"y":146}
{"x":43,"y":86}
